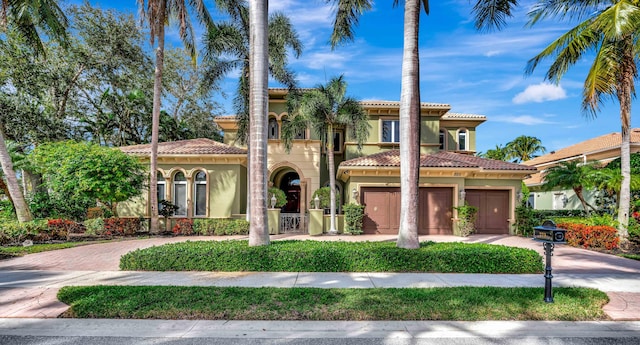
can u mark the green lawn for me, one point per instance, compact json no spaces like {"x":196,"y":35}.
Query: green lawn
{"x":237,"y":303}
{"x":37,"y":248}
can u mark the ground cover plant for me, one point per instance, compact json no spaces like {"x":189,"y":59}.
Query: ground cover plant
{"x":319,"y":256}
{"x":243,"y":303}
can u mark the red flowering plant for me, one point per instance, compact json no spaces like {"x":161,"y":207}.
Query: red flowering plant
{"x":184,"y":226}
{"x":60,"y":228}
{"x":591,"y":236}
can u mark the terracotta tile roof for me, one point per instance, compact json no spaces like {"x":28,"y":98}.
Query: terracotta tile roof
{"x":607,"y":141}
{"x":435,"y":160}
{"x":378,"y":103}
{"x":200,"y":146}
{"x":451,"y":116}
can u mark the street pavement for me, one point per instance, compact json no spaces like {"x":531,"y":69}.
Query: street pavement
{"x":29,"y":284}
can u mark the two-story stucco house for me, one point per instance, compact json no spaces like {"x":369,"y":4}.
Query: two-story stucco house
{"x":209,"y":179}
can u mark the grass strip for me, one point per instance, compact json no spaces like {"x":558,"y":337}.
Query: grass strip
{"x":631,"y":256}
{"x":241,"y":303}
{"x":320,"y":256}
{"x":37,"y":248}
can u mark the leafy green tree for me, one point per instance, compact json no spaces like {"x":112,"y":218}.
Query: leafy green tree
{"x":158,"y":13}
{"x":27,"y":17}
{"x":325,"y":108}
{"x":488,"y":13}
{"x":85,"y":171}
{"x":610,"y":180}
{"x":608,"y":29}
{"x":523,"y":148}
{"x":570,"y":174}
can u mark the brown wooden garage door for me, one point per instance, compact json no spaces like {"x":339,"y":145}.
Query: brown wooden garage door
{"x":493,"y":210}
{"x":382,"y":210}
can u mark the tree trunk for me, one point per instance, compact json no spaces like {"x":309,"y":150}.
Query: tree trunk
{"x":332,"y":182}
{"x":155,"y":119}
{"x":410,"y":129}
{"x":258,"y":107}
{"x":625,"y":89}
{"x":22,"y":210}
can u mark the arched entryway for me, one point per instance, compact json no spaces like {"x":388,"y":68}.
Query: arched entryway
{"x":290,"y":184}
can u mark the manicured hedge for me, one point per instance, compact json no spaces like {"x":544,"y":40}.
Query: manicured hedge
{"x":318,"y":256}
{"x":591,"y":236}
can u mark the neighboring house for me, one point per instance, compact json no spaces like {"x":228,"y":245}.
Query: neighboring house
{"x":449,"y":173}
{"x":602,"y":150}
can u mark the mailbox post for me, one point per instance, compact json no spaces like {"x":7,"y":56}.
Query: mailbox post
{"x":549,"y":235}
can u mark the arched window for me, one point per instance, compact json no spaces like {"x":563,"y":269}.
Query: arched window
{"x":162,"y":189}
{"x":180,"y":193}
{"x":443,"y":139}
{"x":200,"y":194}
{"x":273,"y":129}
{"x":462,"y":140}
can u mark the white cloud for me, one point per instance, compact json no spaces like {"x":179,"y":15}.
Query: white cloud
{"x":526,"y":120}
{"x":540,"y":93}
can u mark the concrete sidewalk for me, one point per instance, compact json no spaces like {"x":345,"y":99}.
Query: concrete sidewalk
{"x":28,"y":285}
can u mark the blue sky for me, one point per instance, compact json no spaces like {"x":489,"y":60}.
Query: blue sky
{"x":478,"y":73}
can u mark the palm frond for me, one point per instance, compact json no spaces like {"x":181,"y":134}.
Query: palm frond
{"x":492,"y":14}
{"x":347,"y":14}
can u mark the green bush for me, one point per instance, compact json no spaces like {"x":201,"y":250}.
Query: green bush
{"x":12,"y":232}
{"x":281,"y":197}
{"x":319,"y":256}
{"x":220,"y":227}
{"x":94,"y":226}
{"x":6,"y":210}
{"x":324,"y":194}
{"x":353,"y":215}
{"x":466,"y":219}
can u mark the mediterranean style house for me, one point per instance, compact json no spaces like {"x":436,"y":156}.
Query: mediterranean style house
{"x":208,"y":179}
{"x":602,"y":150}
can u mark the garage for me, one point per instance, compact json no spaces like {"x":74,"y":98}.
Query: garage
{"x":493,"y":210}
{"x":382,"y":210}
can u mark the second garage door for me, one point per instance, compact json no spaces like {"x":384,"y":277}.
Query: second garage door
{"x":493,"y":210}
{"x":382,"y":210}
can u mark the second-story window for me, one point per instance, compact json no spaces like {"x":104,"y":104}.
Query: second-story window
{"x":273,"y":129}
{"x":462,"y":140}
{"x":390,"y":131}
{"x":442,"y":140}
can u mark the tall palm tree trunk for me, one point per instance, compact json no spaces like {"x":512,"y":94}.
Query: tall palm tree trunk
{"x":332,"y":182}
{"x":258,"y":105}
{"x":410,"y":129}
{"x":22,"y":210}
{"x":625,"y":90}
{"x":155,"y":119}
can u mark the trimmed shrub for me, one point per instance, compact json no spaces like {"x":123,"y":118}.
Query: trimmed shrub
{"x":591,"y":236}
{"x":281,"y":197}
{"x":353,"y":215}
{"x":220,"y":226}
{"x":60,"y":228}
{"x":184,"y":227}
{"x":122,"y":226}
{"x":13,"y":232}
{"x":94,"y":227}
{"x":318,"y":256}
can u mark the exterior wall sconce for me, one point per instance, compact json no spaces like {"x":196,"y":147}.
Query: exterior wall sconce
{"x":520,"y":195}
{"x":316,"y":203}
{"x":565,"y":201}
{"x":463,"y":194}
{"x":273,"y":201}
{"x":355,"y":194}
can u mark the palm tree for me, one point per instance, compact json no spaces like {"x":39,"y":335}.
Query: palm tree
{"x":570,"y":174}
{"x":499,"y":153}
{"x":488,"y":12}
{"x":608,"y":28}
{"x":523,"y":148}
{"x":230,"y":40}
{"x":158,"y":13}
{"x":258,"y":110}
{"x":27,"y":17}
{"x":609,"y":180}
{"x":325,"y":108}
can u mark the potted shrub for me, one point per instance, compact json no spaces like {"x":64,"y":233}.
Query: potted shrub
{"x":324,"y":194}
{"x":281,"y":197}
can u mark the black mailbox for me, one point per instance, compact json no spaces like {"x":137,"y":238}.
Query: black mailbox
{"x":549,"y":233}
